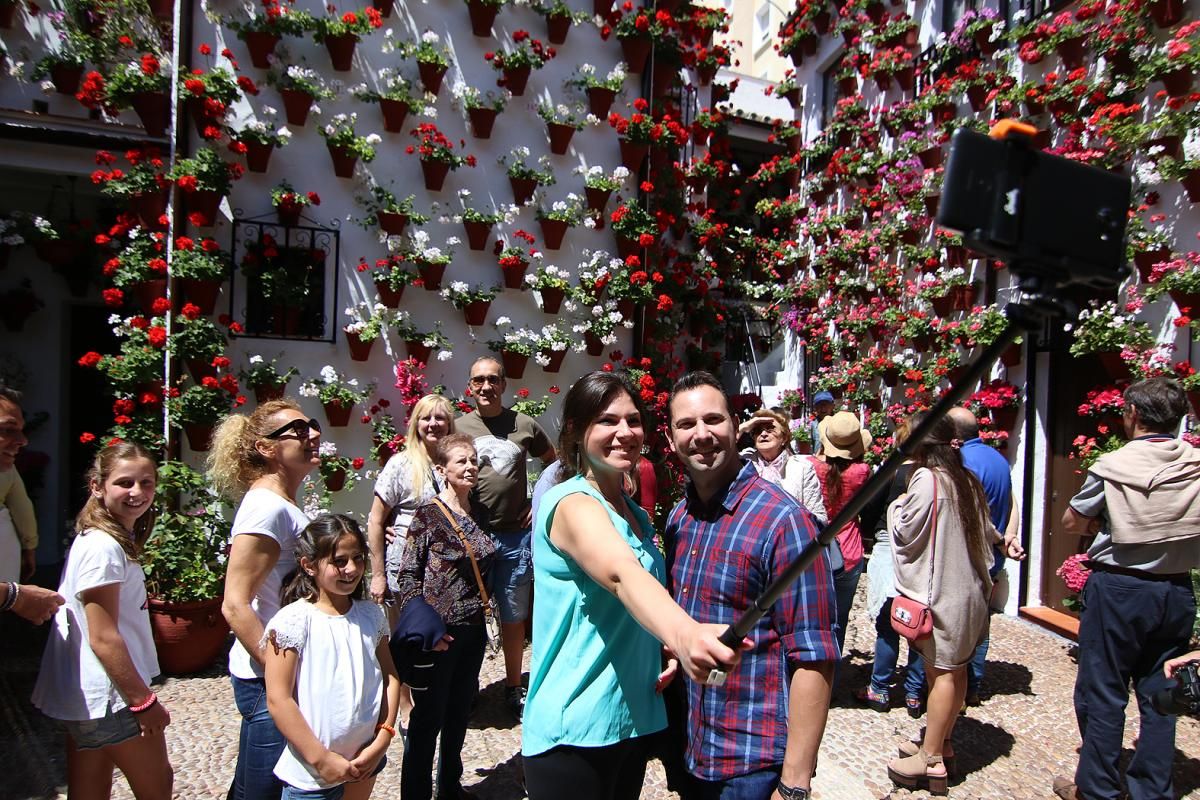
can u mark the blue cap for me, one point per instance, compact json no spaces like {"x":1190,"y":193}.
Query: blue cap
{"x":822,"y":397}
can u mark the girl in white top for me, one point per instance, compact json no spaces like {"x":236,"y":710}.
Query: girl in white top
{"x":100,"y":657}
{"x":331,"y":685}
{"x":406,"y":483}
{"x":260,"y":460}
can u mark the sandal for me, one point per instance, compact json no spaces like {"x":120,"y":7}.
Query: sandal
{"x":920,"y":770}
{"x":906,"y":749}
{"x":879,"y":701}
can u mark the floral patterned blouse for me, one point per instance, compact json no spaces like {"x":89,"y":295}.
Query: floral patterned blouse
{"x":436,"y":565}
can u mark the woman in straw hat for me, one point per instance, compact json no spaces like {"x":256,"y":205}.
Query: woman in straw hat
{"x":841,"y":472}
{"x":775,"y":462}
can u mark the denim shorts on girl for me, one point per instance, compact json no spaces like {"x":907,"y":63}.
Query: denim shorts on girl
{"x":332,"y":793}
{"x":113,"y":728}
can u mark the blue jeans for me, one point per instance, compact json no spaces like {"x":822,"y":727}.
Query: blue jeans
{"x":887,"y":653}
{"x":845,"y":584}
{"x":511,"y":574}
{"x":752,"y":786}
{"x":331,"y":793}
{"x":260,"y":744}
{"x":1129,"y":627}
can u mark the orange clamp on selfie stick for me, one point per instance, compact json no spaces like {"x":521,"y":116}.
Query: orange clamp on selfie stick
{"x":1008,"y":127}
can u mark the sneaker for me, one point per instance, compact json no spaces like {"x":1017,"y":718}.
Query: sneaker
{"x":914,"y":705}
{"x":1065,"y":788}
{"x":879,"y":701}
{"x":514,"y":700}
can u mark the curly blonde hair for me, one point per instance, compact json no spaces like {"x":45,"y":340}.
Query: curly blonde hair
{"x":233,"y":461}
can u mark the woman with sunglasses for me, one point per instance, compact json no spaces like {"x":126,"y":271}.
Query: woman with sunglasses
{"x":258,"y":461}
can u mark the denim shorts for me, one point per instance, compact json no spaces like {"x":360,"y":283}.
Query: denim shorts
{"x":331,"y":793}
{"x":512,"y":574}
{"x":113,"y":728}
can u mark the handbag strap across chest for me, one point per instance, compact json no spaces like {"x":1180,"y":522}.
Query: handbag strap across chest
{"x":462,"y":537}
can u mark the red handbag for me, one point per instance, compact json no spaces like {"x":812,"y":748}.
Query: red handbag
{"x":911,"y":619}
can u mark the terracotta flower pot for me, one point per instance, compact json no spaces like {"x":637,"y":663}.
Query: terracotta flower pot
{"x":200,"y":368}
{"x":296,"y":105}
{"x":633,"y":154}
{"x":1011,"y":356}
{"x":341,"y":50}
{"x":977,"y":97}
{"x":65,"y":78}
{"x":144,"y":293}
{"x":553,"y":231}
{"x":557,"y":28}
{"x":1146,"y":259}
{"x":387,"y":295}
{"x":360,"y":349}
{"x":261,"y":45}
{"x":514,"y":364}
{"x":515,"y":80}
{"x":1114,"y":366}
{"x":552,"y":299}
{"x":188,"y":637}
{"x":556,"y":359}
{"x":149,"y":207}
{"x":198,"y":436}
{"x":600,"y":100}
{"x":1188,"y":300}
{"x":482,"y":17}
{"x":152,"y":109}
{"x":482,"y":121}
{"x":560,"y":137}
{"x":418,"y":350}
{"x":336,"y":480}
{"x":288,"y":217}
{"x":1166,"y":13}
{"x":1191,"y":185}
{"x":265,"y":393}
{"x":202,"y":293}
{"x":344,"y":160}
{"x":476,"y":313}
{"x":595,"y":346}
{"x":637,"y":51}
{"x":597,"y":199}
{"x":906,"y":78}
{"x":391,"y":222}
{"x":985,"y":44}
{"x":337,"y":414}
{"x":1194,"y":398}
{"x":477,"y":233}
{"x":431,"y":276}
{"x":431,"y":75}
{"x":205,"y":203}
{"x":514,"y":277}
{"x":435,"y":173}
{"x":1177,"y":82}
{"x":258,"y":156}
{"x":384,"y":7}
{"x":522,"y":189}
{"x":394,"y":114}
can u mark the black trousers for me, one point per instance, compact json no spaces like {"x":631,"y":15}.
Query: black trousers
{"x":1129,"y":627}
{"x":444,"y":686}
{"x":611,"y":772}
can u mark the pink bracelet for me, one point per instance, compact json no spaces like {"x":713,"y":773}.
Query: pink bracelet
{"x":145,"y":706}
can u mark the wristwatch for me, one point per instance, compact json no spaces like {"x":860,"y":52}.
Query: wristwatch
{"x":791,"y":792}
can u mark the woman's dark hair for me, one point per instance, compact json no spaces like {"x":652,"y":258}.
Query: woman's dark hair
{"x":441,"y":450}
{"x":937,"y":452}
{"x":590,"y":395}
{"x":317,"y":542}
{"x":833,"y":476}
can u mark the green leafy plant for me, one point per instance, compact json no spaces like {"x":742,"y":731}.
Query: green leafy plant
{"x":184,"y":558}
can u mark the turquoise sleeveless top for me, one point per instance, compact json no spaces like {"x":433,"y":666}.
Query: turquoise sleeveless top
{"x":591,"y":681}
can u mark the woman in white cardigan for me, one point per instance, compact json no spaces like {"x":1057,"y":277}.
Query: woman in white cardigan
{"x":775,"y":462}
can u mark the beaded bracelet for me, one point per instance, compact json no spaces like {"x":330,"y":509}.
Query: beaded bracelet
{"x":145,"y":705}
{"x":14,"y":591}
{"x":384,"y":727}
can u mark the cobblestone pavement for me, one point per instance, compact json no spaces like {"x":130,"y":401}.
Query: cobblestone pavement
{"x":1011,"y":747}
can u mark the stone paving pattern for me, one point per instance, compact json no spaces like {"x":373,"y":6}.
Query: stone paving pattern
{"x":1010,"y":747}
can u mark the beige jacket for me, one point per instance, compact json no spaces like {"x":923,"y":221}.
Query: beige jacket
{"x":1151,"y":491}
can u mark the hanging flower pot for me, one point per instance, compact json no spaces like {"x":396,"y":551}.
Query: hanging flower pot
{"x":390,"y":222}
{"x":600,"y":100}
{"x":627,"y":247}
{"x":557,"y":27}
{"x":198,"y":437}
{"x":560,"y":137}
{"x":477,"y":233}
{"x":552,"y":298}
{"x":8,"y":14}
{"x":1003,"y":419}
{"x":931,"y":157}
{"x":1189,"y":300}
{"x":1169,"y":146}
{"x":149,"y":207}
{"x":1191,"y":184}
{"x":289,"y":216}
{"x":201,"y":293}
{"x":1166,"y":13}
{"x":394,"y":114}
{"x":1146,"y":259}
{"x":296,"y":105}
{"x":595,"y":346}
{"x":384,"y":7}
{"x":387,"y":295}
{"x":200,"y":369}
{"x":338,"y":414}
{"x":258,"y":156}
{"x":931,"y":203}
{"x":1114,"y":366}
{"x":266,"y":392}
{"x":435,"y":174}
{"x":1177,"y":82}
{"x":152,"y":108}
{"x":431,"y":275}
{"x":942,"y":113}
{"x":204,"y":203}
{"x":984,"y":42}
{"x":793,"y":97}
{"x":514,"y":276}
{"x":482,"y":120}
{"x":482,"y":17}
{"x":883,"y":80}
{"x":848,"y":85}
{"x":360,"y":349}
{"x":344,"y":160}
{"x":977,"y":97}
{"x":633,"y":154}
{"x":553,"y":231}
{"x":942,"y":306}
{"x":65,"y":78}
{"x":514,"y":364}
{"x":1062,"y":108}
{"x":515,"y":79}
{"x":705,"y":73}
{"x":341,"y":50}
{"x":597,"y":199}
{"x":146,"y":292}
{"x":964,"y":296}
{"x":261,"y":45}
{"x":476,"y":313}
{"x":1011,"y":356}
{"x":336,"y":481}
{"x":431,"y":75}
{"x":522,"y":189}
{"x":637,"y":51}
{"x":556,"y":358}
{"x":626,"y":307}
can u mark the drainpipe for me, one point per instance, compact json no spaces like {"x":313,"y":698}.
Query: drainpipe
{"x":1031,"y":384}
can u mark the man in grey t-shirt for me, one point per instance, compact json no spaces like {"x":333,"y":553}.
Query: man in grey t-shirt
{"x":1142,"y":504}
{"x":504,"y":438}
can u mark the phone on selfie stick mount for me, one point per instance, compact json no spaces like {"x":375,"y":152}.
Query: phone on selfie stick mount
{"x":1056,"y":223}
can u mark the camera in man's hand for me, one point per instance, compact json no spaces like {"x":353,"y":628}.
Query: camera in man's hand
{"x":1184,"y":697}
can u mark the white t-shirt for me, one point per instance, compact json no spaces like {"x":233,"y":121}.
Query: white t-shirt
{"x":339,"y":685}
{"x":267,"y":514}
{"x":72,"y":684}
{"x":395,"y":488}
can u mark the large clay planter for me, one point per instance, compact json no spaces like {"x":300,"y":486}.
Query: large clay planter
{"x":65,"y":78}
{"x":476,"y":313}
{"x":597,"y":199}
{"x":553,"y":231}
{"x":360,"y":349}
{"x":261,"y":46}
{"x":522,"y":189}
{"x":387,"y":295}
{"x":343,"y":160}
{"x":557,"y":28}
{"x":296,"y":105}
{"x":600,"y":100}
{"x":556,"y":358}
{"x":198,"y":436}
{"x":482,"y":121}
{"x":152,"y":108}
{"x":391,"y":222}
{"x":514,"y":364}
{"x":337,"y":414}
{"x":477,"y":233}
{"x":552,"y":299}
{"x":633,"y":154}
{"x":418,"y":350}
{"x":394,"y":114}
{"x":482,"y":17}
{"x":515,"y":80}
{"x":435,"y":173}
{"x":560,"y":137}
{"x":258,"y":156}
{"x":341,"y":51}
{"x":431,"y":276}
{"x":187,"y":636}
{"x":202,"y":293}
{"x":431,"y":75}
{"x":637,"y":51}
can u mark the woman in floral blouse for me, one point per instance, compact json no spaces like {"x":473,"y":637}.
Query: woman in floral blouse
{"x":443,"y":540}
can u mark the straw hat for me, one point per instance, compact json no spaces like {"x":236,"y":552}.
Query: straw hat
{"x":842,"y":436}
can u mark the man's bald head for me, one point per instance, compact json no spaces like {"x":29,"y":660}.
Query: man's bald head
{"x":965,"y":424}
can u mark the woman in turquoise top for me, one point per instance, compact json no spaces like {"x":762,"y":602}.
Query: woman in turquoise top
{"x":601,"y":612}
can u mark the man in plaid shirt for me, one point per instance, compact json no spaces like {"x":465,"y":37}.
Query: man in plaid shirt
{"x":756,"y":737}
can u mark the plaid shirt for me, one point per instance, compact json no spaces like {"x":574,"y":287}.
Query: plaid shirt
{"x":723,"y":556}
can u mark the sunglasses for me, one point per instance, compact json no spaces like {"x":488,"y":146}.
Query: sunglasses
{"x":480,"y":380}
{"x":300,"y":427}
